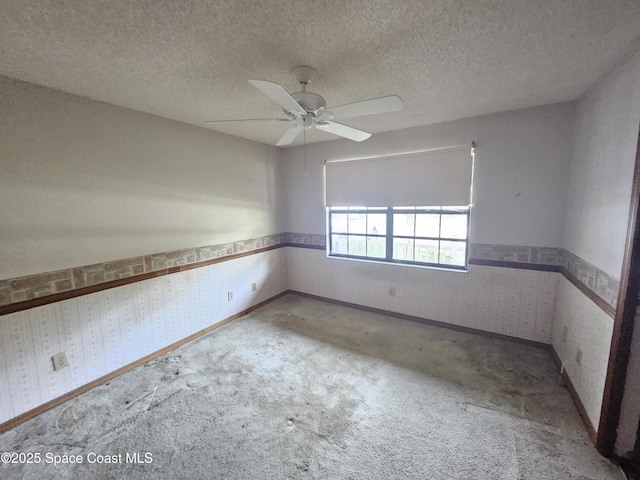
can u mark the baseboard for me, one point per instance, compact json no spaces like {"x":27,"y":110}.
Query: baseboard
{"x":427,"y":321}
{"x":14,"y":422}
{"x":576,"y":398}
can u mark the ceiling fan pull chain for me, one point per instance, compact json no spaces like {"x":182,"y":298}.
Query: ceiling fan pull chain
{"x":304,"y":147}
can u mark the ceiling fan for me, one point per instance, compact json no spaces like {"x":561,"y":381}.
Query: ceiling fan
{"x":305,"y":110}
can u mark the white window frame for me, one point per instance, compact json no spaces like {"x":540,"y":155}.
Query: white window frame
{"x":389,"y":235}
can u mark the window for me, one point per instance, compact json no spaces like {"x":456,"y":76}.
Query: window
{"x":433,"y":236}
{"x":384,"y":230}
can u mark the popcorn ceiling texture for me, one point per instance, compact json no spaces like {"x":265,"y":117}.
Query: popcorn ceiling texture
{"x":191,"y":62}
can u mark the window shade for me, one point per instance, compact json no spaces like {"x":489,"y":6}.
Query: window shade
{"x":421,"y":179}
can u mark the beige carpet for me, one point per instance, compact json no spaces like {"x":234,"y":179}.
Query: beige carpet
{"x":305,"y":389}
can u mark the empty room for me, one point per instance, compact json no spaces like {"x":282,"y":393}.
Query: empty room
{"x":320,"y":239}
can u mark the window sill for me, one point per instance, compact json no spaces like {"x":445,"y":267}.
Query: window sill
{"x":393,"y":264}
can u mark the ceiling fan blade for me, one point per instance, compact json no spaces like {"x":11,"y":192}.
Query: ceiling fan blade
{"x":278,"y":94}
{"x":392,"y":103}
{"x":323,"y":116}
{"x":250,"y":120}
{"x":290,"y":135}
{"x":343,"y":131}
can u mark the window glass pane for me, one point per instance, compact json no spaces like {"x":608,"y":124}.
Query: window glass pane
{"x":427,"y":225}
{"x":454,"y":226}
{"x":362,"y":232}
{"x":339,"y":244}
{"x":453,"y":253}
{"x":377,"y":223}
{"x":403,"y":249}
{"x":339,"y":222}
{"x":403,"y":224}
{"x":338,"y":208}
{"x":357,"y":246}
{"x":376,"y":247}
{"x":357,"y":223}
{"x":426,"y":251}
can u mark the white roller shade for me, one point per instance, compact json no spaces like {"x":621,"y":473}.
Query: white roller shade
{"x":422,"y":179}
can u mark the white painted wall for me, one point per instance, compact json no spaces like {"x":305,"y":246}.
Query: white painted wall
{"x":104,"y":331}
{"x":84,"y":182}
{"x":508,"y":301}
{"x":521,"y":174}
{"x":606,"y":135}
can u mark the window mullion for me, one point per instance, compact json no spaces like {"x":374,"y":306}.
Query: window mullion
{"x":389,"y":250}
{"x":440,"y":237}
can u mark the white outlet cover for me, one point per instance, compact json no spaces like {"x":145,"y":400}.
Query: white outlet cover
{"x":59,"y":361}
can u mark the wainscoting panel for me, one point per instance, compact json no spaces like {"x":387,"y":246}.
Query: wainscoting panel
{"x":106,"y":330}
{"x":589,"y":329}
{"x":508,"y":301}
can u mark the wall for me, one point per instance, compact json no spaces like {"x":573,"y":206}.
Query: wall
{"x":574,"y":311}
{"x":630,"y":412}
{"x":85,"y":182}
{"x":104,"y":331}
{"x":98,"y":193}
{"x":507,"y":301}
{"x":606,"y":133}
{"x":520,"y":180}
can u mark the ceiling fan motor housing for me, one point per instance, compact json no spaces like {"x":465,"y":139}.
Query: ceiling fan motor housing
{"x":311,"y":102}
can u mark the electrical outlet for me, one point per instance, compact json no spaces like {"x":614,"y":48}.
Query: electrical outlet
{"x":229,"y":296}
{"x":392,"y":291}
{"x":59,"y":361}
{"x":565,"y":334}
{"x":579,"y":356}
{"x":254,"y":287}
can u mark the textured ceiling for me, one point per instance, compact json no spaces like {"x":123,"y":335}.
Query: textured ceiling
{"x":190,"y":60}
